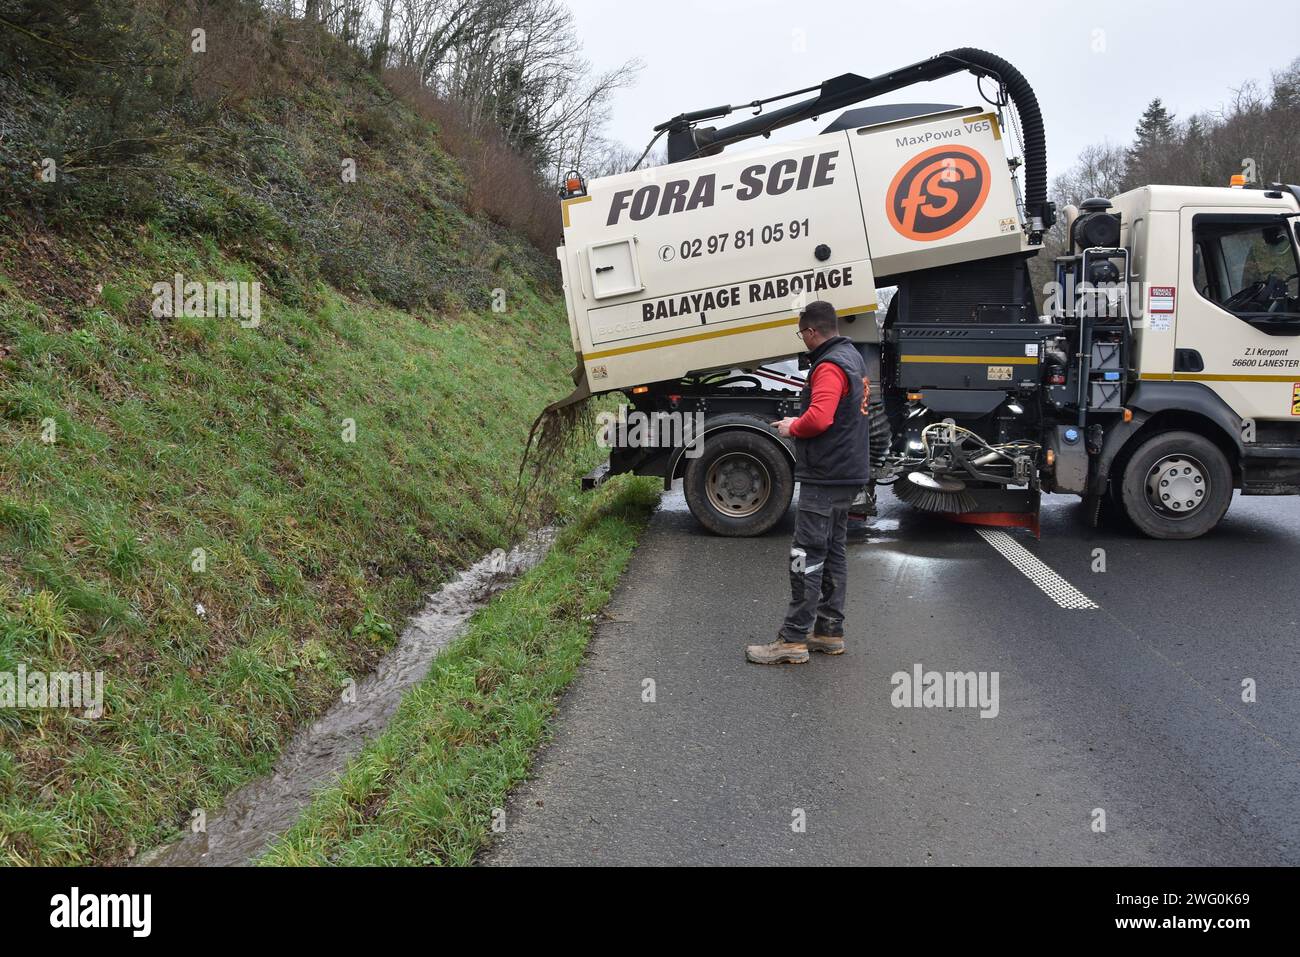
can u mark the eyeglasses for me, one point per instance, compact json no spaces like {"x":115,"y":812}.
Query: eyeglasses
{"x":799,"y":333}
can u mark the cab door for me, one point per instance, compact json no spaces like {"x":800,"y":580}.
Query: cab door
{"x":1238,"y":309}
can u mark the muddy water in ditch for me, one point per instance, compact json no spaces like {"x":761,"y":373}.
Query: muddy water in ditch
{"x":264,"y":809}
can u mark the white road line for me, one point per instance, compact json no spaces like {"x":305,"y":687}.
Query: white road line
{"x":1051,"y":584}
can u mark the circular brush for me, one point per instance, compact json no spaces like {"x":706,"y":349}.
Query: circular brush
{"x":934,"y":494}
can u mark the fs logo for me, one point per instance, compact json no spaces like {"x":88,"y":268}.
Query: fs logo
{"x":937,"y":193}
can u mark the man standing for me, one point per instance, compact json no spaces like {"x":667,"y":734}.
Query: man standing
{"x":832,"y":462}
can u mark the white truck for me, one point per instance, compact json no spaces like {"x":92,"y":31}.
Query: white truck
{"x":1161,"y":370}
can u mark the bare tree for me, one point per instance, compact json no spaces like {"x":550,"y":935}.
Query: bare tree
{"x":511,"y":66}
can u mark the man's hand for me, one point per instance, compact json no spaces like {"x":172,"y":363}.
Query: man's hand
{"x":866,"y":395}
{"x":782,"y":427}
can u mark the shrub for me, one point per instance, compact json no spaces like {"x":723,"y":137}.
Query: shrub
{"x":501,"y":183}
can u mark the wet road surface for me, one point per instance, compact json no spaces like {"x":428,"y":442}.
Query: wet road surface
{"x":1119,"y":693}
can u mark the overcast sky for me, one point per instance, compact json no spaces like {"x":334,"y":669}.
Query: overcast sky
{"x":1094,"y":65}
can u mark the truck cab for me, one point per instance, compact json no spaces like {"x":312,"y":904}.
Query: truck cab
{"x":1215,"y":341}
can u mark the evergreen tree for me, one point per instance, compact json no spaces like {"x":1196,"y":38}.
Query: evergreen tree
{"x":1194,"y":148}
{"x":1156,"y":128}
{"x":1286,"y":87}
{"x":1154,"y":135}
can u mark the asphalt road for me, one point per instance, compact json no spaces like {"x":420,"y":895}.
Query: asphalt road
{"x":1133,"y":707}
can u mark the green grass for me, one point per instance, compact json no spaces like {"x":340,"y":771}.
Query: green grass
{"x":194,"y":462}
{"x":424,"y":792}
{"x":304,"y":482}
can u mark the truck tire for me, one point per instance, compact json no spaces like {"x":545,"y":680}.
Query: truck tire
{"x":741,"y":486}
{"x":1176,"y":485}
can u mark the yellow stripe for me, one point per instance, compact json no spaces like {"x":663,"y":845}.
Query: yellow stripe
{"x":565,"y":204}
{"x":997,"y":132}
{"x":716,"y":333}
{"x":980,"y":360}
{"x":1208,"y":377}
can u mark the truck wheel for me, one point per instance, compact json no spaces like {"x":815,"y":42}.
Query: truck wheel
{"x":741,"y":485}
{"x":1176,"y":485}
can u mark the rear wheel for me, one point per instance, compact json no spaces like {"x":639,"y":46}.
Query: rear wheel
{"x":1176,"y":485}
{"x":741,"y":485}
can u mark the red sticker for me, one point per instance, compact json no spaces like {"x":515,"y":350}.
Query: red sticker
{"x":1161,"y":299}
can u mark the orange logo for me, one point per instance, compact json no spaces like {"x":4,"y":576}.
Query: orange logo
{"x":937,"y":193}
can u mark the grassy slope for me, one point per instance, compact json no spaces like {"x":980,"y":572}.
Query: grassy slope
{"x":180,"y":434}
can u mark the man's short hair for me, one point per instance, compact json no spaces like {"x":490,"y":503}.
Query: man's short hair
{"x":820,"y":315}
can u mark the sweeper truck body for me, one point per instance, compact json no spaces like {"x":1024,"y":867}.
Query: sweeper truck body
{"x":1159,"y":370}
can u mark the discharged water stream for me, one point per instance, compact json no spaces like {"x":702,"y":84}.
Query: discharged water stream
{"x":265,"y":808}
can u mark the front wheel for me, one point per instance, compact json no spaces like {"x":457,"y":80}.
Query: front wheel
{"x":1176,"y":485}
{"x":741,"y":485}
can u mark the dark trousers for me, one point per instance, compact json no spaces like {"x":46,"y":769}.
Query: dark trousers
{"x":817,"y":566}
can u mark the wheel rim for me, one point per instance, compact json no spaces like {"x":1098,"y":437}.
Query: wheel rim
{"x":738,"y":485}
{"x":1178,"y":486}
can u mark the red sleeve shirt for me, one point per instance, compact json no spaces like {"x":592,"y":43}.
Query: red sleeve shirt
{"x":829,"y":385}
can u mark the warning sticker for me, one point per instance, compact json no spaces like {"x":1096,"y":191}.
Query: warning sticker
{"x":1295,"y":399}
{"x":999,"y":373}
{"x":1160,"y":308}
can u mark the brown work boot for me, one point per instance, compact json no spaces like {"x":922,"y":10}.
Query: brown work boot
{"x":779,"y":652}
{"x":826,"y":644}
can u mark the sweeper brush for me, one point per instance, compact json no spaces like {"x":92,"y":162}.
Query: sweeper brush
{"x":933,"y":494}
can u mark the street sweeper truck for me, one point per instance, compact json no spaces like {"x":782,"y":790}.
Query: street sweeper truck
{"x":1159,"y":371}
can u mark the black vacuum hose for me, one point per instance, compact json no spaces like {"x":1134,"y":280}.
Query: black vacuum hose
{"x":1031,"y":120}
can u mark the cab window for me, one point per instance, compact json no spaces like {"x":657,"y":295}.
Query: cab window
{"x":1247,"y":266}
